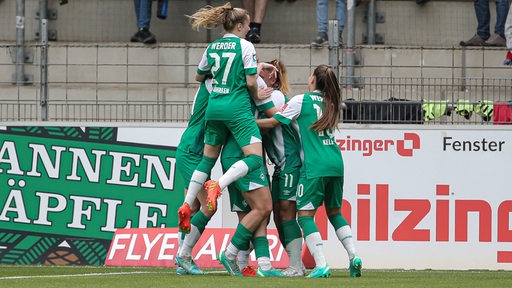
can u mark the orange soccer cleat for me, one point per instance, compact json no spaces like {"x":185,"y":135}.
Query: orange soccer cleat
{"x":184,"y":213}
{"x":213,"y":190}
{"x":249,"y":272}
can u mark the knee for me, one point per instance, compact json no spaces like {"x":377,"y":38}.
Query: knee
{"x":265,"y":210}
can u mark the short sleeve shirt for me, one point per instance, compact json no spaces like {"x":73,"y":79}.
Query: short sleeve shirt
{"x":229,"y":59}
{"x":321,"y":155}
{"x":282,"y":143}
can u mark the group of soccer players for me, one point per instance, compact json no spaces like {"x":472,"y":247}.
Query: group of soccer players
{"x":298,"y":137}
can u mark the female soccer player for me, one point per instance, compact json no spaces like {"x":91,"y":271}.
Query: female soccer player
{"x":316,"y":115}
{"x":232,"y":62}
{"x":188,"y":156}
{"x":282,"y":146}
{"x":187,"y":159}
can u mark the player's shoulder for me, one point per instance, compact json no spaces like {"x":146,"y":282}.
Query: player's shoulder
{"x":247,"y":46}
{"x":298,"y":98}
{"x":244,"y":42}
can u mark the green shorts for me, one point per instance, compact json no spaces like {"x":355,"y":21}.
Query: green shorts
{"x":244,"y":130}
{"x":284,"y":185}
{"x":312,"y":192}
{"x":254,"y":180}
{"x":186,"y":163}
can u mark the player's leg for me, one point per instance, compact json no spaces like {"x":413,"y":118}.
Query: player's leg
{"x":239,"y":245}
{"x":243,"y":255}
{"x":198,"y":224}
{"x":247,"y":135}
{"x":261,"y":199}
{"x":292,"y":238}
{"x":215,"y":134}
{"x":286,"y":186}
{"x":333,"y":200}
{"x":309,"y":197}
{"x":186,"y":162}
{"x":261,"y":208}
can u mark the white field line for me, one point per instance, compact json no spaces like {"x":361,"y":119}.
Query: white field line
{"x":93,"y":274}
{"x":77,"y":275}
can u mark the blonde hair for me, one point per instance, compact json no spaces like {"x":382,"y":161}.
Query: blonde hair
{"x":327,"y":82}
{"x":281,"y":82}
{"x":210,"y":17}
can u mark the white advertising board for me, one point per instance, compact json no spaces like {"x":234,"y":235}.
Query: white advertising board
{"x":417,"y":197}
{"x":427,"y":197}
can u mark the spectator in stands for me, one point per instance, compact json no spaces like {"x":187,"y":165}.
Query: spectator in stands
{"x":508,"y":37}
{"x":483,"y":17}
{"x":143,"y":13}
{"x":257,"y":10}
{"x":322,"y":12}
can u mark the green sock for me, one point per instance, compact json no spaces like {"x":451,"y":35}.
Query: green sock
{"x":280,"y":232}
{"x":206,"y":164}
{"x":200,"y":221}
{"x":338,"y":221}
{"x":253,"y":161}
{"x":261,"y":248}
{"x":307,"y":223}
{"x":242,"y":237}
{"x":291,"y":231}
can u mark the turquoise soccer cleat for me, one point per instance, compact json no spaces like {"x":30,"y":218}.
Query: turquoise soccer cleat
{"x":181,"y":271}
{"x":230,"y":265}
{"x":269,"y":273}
{"x":188,"y":265}
{"x":320,"y":272}
{"x":356,"y":264}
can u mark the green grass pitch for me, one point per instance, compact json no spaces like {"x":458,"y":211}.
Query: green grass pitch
{"x":117,"y":277}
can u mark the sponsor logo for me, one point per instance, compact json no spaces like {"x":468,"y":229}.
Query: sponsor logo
{"x":484,"y":145}
{"x":158,"y":247}
{"x":439,"y":219}
{"x":404,"y":147}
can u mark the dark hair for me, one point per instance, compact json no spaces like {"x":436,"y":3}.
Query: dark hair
{"x":210,"y":17}
{"x":327,"y":82}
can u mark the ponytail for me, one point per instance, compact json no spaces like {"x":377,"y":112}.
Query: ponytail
{"x":327,"y":82}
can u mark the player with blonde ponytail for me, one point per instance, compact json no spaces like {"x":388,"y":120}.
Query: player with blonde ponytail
{"x":232,"y":62}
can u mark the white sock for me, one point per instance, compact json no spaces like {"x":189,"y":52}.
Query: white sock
{"x":264,"y":263}
{"x":243,"y":258}
{"x":235,"y":172}
{"x":294,"y":250}
{"x":344,"y":234}
{"x":316,"y":247}
{"x":231,"y":252}
{"x":190,"y":241}
{"x":181,"y":237}
{"x":196,"y":184}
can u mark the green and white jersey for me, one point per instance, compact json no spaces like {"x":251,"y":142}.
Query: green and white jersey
{"x":231,"y":148}
{"x":282,"y":143}
{"x":229,"y":59}
{"x":192,"y":140}
{"x":320,"y":154}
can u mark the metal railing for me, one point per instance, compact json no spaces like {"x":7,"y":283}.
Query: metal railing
{"x":78,"y":92}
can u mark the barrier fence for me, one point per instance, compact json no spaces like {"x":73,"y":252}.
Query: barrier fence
{"x":134,"y":83}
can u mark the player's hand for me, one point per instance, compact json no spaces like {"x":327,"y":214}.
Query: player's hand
{"x":264,"y":93}
{"x":267,"y":68}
